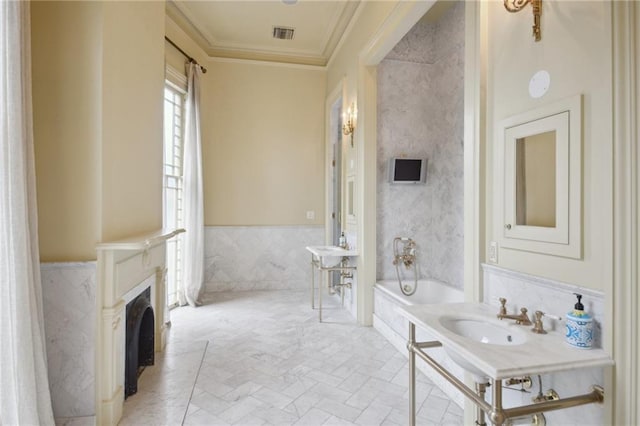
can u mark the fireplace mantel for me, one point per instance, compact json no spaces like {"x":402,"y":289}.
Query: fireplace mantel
{"x":140,"y":242}
{"x":122,"y":266}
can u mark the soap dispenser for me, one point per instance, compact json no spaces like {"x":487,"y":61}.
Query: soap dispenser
{"x":579,"y":326}
{"x":342,"y":241}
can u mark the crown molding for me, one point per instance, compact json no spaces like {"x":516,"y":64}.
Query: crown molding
{"x":266,"y":56}
{"x":345,"y":34}
{"x":271,"y":60}
{"x":192,"y":22}
{"x":339,"y":24}
{"x":192,"y":25}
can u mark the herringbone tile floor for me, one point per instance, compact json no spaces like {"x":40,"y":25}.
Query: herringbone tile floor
{"x":262,"y":358}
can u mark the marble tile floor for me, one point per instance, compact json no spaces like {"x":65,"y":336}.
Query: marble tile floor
{"x":262,"y":358}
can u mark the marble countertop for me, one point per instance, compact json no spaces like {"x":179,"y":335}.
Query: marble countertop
{"x":540,"y":354}
{"x":330,"y":251}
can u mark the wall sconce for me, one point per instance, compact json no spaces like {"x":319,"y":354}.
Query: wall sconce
{"x":349,"y":120}
{"x":517,"y":5}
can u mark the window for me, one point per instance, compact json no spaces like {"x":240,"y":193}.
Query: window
{"x":172,"y":184}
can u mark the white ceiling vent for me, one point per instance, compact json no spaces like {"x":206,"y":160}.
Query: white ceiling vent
{"x":283,"y":33}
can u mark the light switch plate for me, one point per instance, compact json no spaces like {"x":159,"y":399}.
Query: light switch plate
{"x":311,"y":215}
{"x":493,"y":251}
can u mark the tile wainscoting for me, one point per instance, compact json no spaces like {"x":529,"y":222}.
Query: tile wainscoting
{"x":69,"y":305}
{"x":241,"y":258}
{"x":556,"y":298}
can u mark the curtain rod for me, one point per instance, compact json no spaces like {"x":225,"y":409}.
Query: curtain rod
{"x":185,"y":54}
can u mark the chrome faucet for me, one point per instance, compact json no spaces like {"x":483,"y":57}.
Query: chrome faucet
{"x":522,"y":318}
{"x":408,"y":254}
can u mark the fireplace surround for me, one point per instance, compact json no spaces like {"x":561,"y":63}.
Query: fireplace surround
{"x":139,"y":338}
{"x":125,"y":270}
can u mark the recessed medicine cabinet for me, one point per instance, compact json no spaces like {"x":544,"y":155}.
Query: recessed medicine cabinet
{"x":539,"y":157}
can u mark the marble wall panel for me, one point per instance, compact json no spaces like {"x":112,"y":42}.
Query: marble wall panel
{"x":69,"y":293}
{"x":428,"y":41}
{"x":418,"y":45}
{"x":420,"y":114}
{"x":240,"y":258}
{"x":395,"y":328}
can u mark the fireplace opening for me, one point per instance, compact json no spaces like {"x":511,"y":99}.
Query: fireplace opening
{"x":139,"y":347}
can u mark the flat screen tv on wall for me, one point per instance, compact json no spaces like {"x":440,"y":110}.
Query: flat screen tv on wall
{"x":408,"y":170}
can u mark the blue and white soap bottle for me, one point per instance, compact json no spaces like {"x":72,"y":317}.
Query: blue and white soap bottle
{"x":579,"y":327}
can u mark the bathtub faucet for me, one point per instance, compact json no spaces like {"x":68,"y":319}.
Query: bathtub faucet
{"x":408,"y":254}
{"x":407,"y":257}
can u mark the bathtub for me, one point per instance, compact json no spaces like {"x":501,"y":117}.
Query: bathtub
{"x":395,"y":328}
{"x":429,"y":291}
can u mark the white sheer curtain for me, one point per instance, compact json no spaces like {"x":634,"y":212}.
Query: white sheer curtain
{"x":24,"y":386}
{"x":193,"y":239}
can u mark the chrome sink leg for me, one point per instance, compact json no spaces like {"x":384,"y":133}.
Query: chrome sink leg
{"x":313,"y":275}
{"x":412,"y":374}
{"x":481,"y":390}
{"x":497,"y":413}
{"x":320,"y":284}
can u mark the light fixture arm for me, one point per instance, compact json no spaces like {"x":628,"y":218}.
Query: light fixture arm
{"x":517,"y":5}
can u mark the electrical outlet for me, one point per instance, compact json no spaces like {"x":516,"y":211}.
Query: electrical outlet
{"x":493,"y":252}
{"x":311,"y":215}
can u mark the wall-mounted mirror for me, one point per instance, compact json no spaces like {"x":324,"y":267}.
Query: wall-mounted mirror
{"x":350,"y":202}
{"x":540,"y":202}
{"x":536,"y":180}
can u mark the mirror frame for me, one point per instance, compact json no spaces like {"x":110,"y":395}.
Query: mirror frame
{"x":565,"y":239}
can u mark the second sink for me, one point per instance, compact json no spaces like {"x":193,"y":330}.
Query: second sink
{"x":330,"y":256}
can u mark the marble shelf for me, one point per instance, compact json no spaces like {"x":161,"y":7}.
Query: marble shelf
{"x":140,"y":242}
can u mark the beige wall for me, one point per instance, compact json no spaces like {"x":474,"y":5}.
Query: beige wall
{"x":262,"y":138}
{"x":576,"y":51}
{"x":132,"y":91}
{"x":66,"y":72}
{"x":263,"y":144}
{"x":97,"y":94}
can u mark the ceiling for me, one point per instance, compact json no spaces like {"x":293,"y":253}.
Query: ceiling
{"x":243,"y":29}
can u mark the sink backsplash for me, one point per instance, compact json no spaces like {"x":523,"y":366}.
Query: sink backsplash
{"x":541,"y":294}
{"x":555,"y":298}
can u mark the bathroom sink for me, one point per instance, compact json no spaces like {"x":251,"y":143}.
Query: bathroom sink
{"x":330,"y":256}
{"x":479,"y":331}
{"x":487,"y":347}
{"x":483,"y":331}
